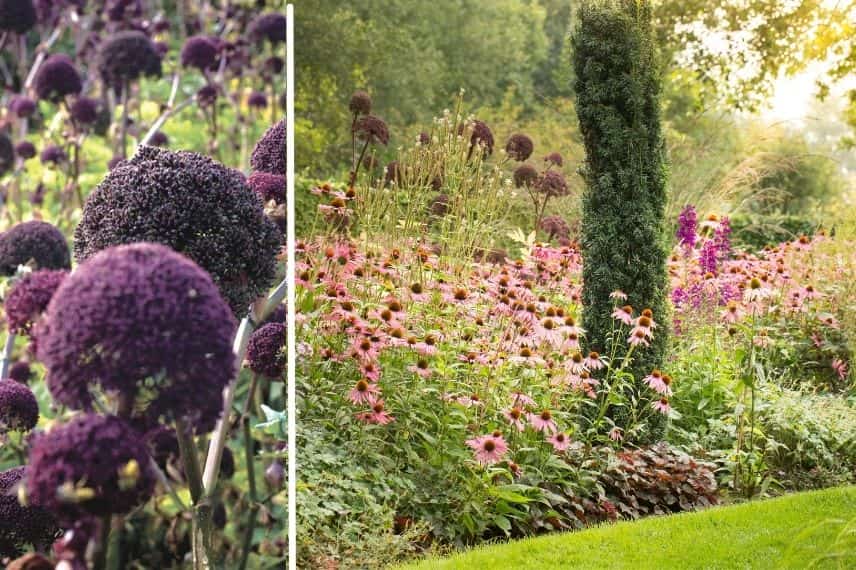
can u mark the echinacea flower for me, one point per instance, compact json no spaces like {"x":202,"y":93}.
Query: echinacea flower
{"x":618,"y":295}
{"x":616,"y":434}
{"x":593,"y":361}
{"x":659,"y":382}
{"x":515,"y":417}
{"x":488,"y":449}
{"x":560,"y":441}
{"x":638,"y":337}
{"x":378,"y":414}
{"x":363,"y":392}
{"x":542,"y":421}
{"x":840,"y":368}
{"x":662,"y":406}
{"x":623,"y":314}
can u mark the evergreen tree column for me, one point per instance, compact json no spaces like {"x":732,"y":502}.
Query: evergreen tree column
{"x":617,"y":90}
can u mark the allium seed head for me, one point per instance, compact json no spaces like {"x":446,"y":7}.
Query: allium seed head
{"x":92,"y":466}
{"x":19,"y":410}
{"x":57,"y":77}
{"x":200,"y":52}
{"x":22,"y":106}
{"x":265,"y":351}
{"x":140,"y":320}
{"x":7,"y":153}
{"x":17,"y":15}
{"x":192,"y":204}
{"x":267,"y":27}
{"x":269,"y":152}
{"x":21,"y":526}
{"x":257,"y":100}
{"x":360,"y":103}
{"x":268,"y":186}
{"x":53,"y":154}
{"x":36,"y":243}
{"x":29,"y":297}
{"x":84,"y":110}
{"x":20,"y":372}
{"x":126,"y":56}
{"x":519,"y":147}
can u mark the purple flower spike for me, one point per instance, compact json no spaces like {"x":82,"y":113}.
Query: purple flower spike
{"x":687,"y":226}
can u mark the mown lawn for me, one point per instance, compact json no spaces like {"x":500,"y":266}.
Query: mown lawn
{"x":795,"y":531}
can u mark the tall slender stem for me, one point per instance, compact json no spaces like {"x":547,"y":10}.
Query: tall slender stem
{"x":123,"y":130}
{"x":7,"y":355}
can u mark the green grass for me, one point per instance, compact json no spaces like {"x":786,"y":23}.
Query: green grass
{"x":795,"y":531}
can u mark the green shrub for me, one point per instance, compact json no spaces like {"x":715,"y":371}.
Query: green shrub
{"x":755,"y":231}
{"x":618,"y":89}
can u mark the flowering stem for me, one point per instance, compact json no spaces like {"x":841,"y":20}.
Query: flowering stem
{"x":7,"y":355}
{"x":123,"y":129}
{"x":201,"y":514}
{"x":99,"y":556}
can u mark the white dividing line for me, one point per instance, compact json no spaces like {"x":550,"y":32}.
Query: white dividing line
{"x":290,"y":265}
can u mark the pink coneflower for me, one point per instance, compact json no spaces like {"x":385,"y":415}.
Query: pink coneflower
{"x":762,"y":339}
{"x":560,"y":441}
{"x":426,"y":347}
{"x":829,"y":321}
{"x":616,"y":434}
{"x":645,"y":323}
{"x":732,"y":313}
{"x":659,"y":382}
{"x":421,"y":368}
{"x":572,"y":342}
{"x":593,"y":361}
{"x":378,"y":414}
{"x":363,"y":392}
{"x":756,"y":291}
{"x":519,"y":399}
{"x":576,"y":363}
{"x":618,"y":295}
{"x":624,"y":314}
{"x":570,"y":327}
{"x":527,"y":356}
{"x":662,"y":406}
{"x":638,"y":337}
{"x":549,"y":332}
{"x":370,"y":370}
{"x":515,"y":417}
{"x":488,"y":449}
{"x":364,"y":350}
{"x":840,"y":368}
{"x":542,"y":421}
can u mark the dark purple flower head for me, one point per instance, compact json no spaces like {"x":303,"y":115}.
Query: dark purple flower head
{"x":519,"y":147}
{"x":21,"y":526}
{"x":84,"y":110}
{"x":53,"y":154}
{"x":56,"y":78}
{"x":118,"y":10}
{"x":207,"y":96}
{"x":92,"y":466}
{"x":7,"y":153}
{"x":29,"y":297}
{"x":267,"y":27}
{"x":192,"y":204}
{"x":440,"y":205}
{"x":140,"y":320}
{"x":481,"y":135}
{"x":163,"y":445}
{"x":35,"y":243}
{"x":17,"y":15}
{"x":20,"y":372}
{"x":555,"y":226}
{"x":200,"y":52}
{"x":49,"y":11}
{"x":22,"y":106}
{"x":525,"y":175}
{"x":266,"y":350}
{"x":25,"y":149}
{"x":269,"y":152}
{"x":555,"y":159}
{"x":274,"y":65}
{"x":257,"y":100}
{"x":126,"y":56}
{"x":424,"y":138}
{"x":372,"y":129}
{"x":268,"y":186}
{"x":687,"y":226}
{"x":227,"y":464}
{"x":360,"y":103}
{"x":19,"y":410}
{"x":115,"y":161}
{"x":277,"y":315}
{"x":159,"y":139}
{"x":708,"y":257}
{"x":553,"y":184}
